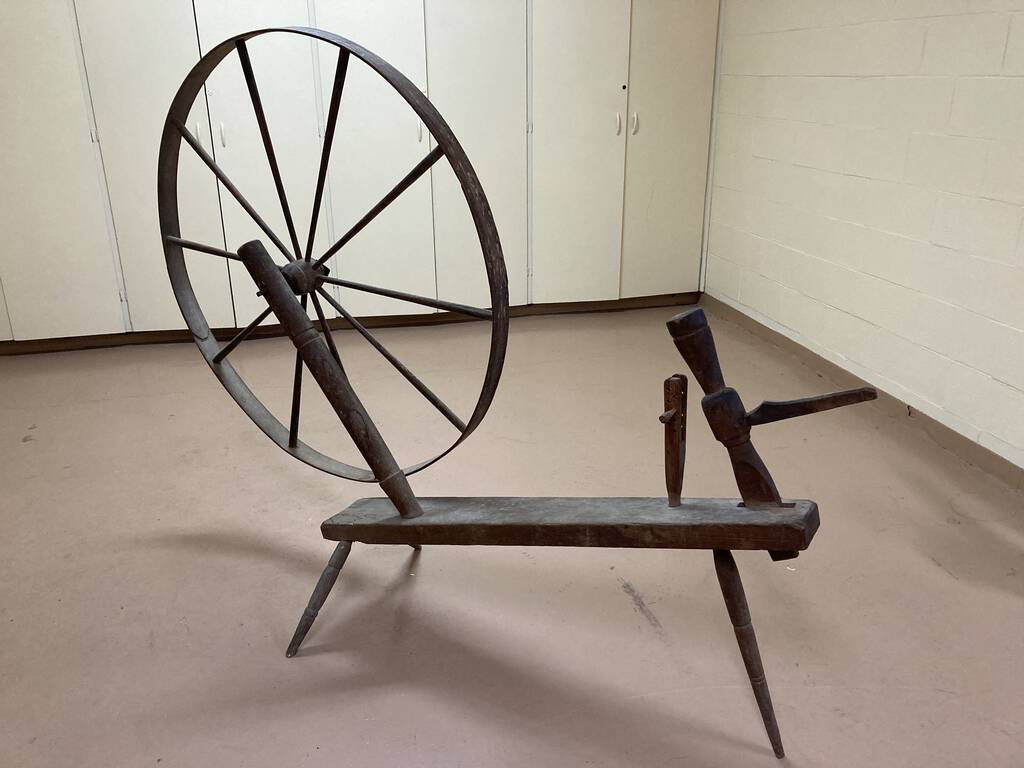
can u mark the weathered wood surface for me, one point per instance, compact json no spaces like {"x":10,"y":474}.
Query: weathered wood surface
{"x":632,"y":522}
{"x":739,"y":615}
{"x":320,"y":592}
{"x":674,"y":419}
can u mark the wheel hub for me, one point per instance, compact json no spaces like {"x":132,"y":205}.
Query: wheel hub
{"x":302,"y":276}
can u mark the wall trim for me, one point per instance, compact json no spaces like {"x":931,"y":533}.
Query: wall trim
{"x":70,"y":343}
{"x":958,"y":444}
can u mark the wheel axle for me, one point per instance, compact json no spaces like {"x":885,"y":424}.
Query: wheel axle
{"x":302,"y":277}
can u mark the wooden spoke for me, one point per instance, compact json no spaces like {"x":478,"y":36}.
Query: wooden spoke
{"x":421,"y":167}
{"x":193,"y":246}
{"x":426,"y":301}
{"x":230,"y":187}
{"x":268,"y":146}
{"x":293,"y":424}
{"x":326,"y":329}
{"x":241,"y":336}
{"x":325,"y":154}
{"x":411,"y":377}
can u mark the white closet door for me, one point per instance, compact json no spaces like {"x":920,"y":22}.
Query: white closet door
{"x":137,"y":54}
{"x":5,"y":321}
{"x":671,"y":76}
{"x":580,"y":68}
{"x":476,"y":62}
{"x":378,"y":141}
{"x":283,"y":68}
{"x":57,"y":263}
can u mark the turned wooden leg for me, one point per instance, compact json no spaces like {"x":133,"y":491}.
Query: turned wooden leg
{"x":320,"y":592}
{"x":736,"y":602}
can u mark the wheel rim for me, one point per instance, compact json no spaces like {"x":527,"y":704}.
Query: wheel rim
{"x":215,"y":353}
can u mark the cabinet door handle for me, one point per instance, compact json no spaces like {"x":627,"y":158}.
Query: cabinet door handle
{"x":199,"y":133}
{"x":223,"y":138}
{"x":618,"y":123}
{"x":636,"y":124}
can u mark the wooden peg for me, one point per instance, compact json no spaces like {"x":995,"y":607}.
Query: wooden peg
{"x":674,"y":419}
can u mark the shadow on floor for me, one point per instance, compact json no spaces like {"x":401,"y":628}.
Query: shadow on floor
{"x":237,"y":544}
{"x":382,"y":641}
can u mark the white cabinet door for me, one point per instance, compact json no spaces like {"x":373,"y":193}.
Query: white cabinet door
{"x":282,"y":65}
{"x":5,"y":320}
{"x":580,"y":68}
{"x":671,"y":76}
{"x":476,"y":63}
{"x":57,"y":263}
{"x":378,"y":141}
{"x":137,"y":54}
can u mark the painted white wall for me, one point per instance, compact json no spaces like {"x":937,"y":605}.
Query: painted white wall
{"x":868,"y":195}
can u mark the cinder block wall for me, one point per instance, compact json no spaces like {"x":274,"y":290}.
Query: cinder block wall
{"x":868,"y":195}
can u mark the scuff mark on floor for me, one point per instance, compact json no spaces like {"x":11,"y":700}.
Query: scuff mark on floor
{"x":640,"y":605}
{"x":944,"y":568}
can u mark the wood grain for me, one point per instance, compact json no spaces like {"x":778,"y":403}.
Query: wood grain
{"x":634,"y":522}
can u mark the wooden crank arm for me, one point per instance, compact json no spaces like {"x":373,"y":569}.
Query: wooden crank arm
{"x":777,"y":410}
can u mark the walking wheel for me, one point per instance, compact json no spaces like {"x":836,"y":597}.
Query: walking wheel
{"x":308,"y":273}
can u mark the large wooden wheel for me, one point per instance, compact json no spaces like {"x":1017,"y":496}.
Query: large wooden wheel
{"x":307,"y":272}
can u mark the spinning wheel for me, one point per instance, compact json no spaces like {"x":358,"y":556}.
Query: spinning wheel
{"x":305,"y":273}
{"x":759,"y":520}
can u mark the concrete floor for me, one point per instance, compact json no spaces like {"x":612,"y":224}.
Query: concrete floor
{"x":157,"y":551}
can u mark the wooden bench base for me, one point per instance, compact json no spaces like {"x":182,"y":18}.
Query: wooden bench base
{"x":630,"y":522}
{"x":717,"y":524}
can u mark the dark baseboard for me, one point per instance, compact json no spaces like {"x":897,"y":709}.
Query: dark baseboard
{"x":68,"y":343}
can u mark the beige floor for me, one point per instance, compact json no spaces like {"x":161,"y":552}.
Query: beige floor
{"x":157,"y":551}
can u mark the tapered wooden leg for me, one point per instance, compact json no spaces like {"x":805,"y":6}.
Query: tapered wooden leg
{"x":736,"y":602}
{"x":320,"y":592}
